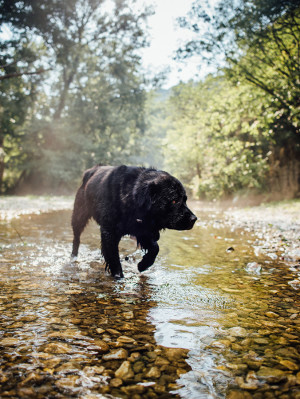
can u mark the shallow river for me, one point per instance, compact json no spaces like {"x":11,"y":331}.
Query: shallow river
{"x":215,"y":317}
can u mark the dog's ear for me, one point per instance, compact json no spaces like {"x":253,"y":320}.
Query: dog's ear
{"x":145,"y":195}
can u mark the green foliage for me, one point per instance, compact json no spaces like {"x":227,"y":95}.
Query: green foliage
{"x":218,"y":145}
{"x":239,"y":130}
{"x":89,"y":105}
{"x":259,"y":43}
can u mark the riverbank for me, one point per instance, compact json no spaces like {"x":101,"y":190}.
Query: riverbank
{"x":14,"y":206}
{"x":276,"y":225}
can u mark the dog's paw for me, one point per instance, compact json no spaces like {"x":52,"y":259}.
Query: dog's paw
{"x":118,"y":275}
{"x":142,"y":266}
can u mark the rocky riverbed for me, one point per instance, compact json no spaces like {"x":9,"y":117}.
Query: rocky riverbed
{"x":217,"y":316}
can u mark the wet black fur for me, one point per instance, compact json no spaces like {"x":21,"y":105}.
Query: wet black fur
{"x":129,"y":200}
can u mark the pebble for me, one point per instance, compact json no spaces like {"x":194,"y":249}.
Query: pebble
{"x":289,"y":365}
{"x":128,"y":315}
{"x":153,"y":373}
{"x":237,"y":332}
{"x":116,"y":354}
{"x":238,"y":395}
{"x":271,"y":375}
{"x":116,"y":382}
{"x":125,"y":340}
{"x":67,"y":382}
{"x":92,"y":370}
{"x":272,"y":315}
{"x":124,"y":371}
{"x":221,"y":343}
{"x":57,"y":347}
{"x":9,"y":342}
{"x":253,"y":267}
{"x":174,"y":354}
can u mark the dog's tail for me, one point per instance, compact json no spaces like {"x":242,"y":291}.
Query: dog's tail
{"x":88,"y":174}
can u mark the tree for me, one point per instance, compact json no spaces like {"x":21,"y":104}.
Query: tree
{"x":225,"y":145}
{"x":260,"y":42}
{"x":93,"y":97}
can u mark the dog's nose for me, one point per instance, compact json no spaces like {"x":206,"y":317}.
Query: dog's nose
{"x":193,"y":218}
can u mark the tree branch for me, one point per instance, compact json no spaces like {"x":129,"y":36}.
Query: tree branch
{"x":17,"y":74}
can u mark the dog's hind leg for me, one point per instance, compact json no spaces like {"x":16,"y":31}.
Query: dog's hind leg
{"x":80,"y":217}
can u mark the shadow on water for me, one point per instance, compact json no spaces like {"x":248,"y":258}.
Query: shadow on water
{"x":211,"y":319}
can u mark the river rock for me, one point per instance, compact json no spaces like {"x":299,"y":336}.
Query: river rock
{"x":125,"y":340}
{"x":176,"y":353}
{"x":67,"y":382}
{"x":221,"y":343}
{"x":9,"y":342}
{"x":153,"y":372}
{"x":271,"y":375}
{"x":124,"y":371}
{"x":251,"y":385}
{"x":237,"y":332}
{"x":115,"y":382}
{"x":116,"y":354}
{"x":289,"y":365}
{"x":133,"y":390}
{"x":128,"y":315}
{"x":272,"y":315}
{"x":238,"y":395}
{"x":134,"y":356}
{"x":93,"y":370}
{"x":100,"y":345}
{"x":161,"y":361}
{"x":58,"y":347}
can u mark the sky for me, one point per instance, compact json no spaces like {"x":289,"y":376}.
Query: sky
{"x":166,"y":37}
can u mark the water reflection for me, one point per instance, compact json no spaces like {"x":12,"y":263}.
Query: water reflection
{"x":69,"y":330}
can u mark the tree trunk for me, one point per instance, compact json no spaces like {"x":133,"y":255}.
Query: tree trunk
{"x":2,"y":166}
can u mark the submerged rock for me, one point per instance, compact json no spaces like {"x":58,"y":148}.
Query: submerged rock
{"x":176,"y":353}
{"x":57,"y":347}
{"x":271,"y":375}
{"x":237,"y":332}
{"x":9,"y":342}
{"x":124,"y":371}
{"x":116,"y":354}
{"x":67,"y":382}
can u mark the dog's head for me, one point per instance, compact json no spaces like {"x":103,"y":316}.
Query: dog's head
{"x":163,"y":198}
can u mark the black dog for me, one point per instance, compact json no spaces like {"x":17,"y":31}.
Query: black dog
{"x":129,"y":200}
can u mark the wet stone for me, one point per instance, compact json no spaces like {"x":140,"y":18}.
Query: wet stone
{"x":237,"y":332}
{"x":153,"y":373}
{"x":221,"y":343}
{"x":116,"y":354}
{"x":124,"y":371}
{"x":57,"y":347}
{"x":9,"y":342}
{"x":67,"y":382}
{"x":115,"y":382}
{"x":125,"y":340}
{"x":271,"y":375}
{"x":289,"y":365}
{"x":272,"y":315}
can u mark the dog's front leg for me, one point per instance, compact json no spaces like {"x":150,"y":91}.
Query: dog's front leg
{"x":149,"y":258}
{"x":109,"y":244}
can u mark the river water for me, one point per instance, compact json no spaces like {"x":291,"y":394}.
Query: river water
{"x":215,"y":317}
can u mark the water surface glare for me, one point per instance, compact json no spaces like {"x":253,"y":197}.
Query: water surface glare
{"x":215,"y":317}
